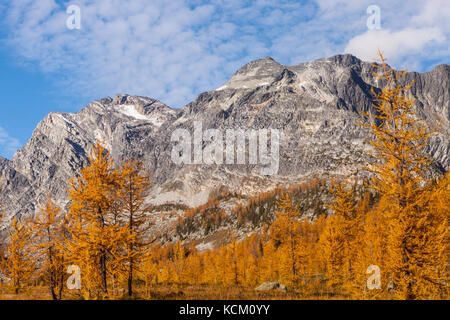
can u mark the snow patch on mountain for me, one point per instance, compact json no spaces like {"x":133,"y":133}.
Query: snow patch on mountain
{"x":65,"y":119}
{"x":221,"y":88}
{"x":131,"y":111}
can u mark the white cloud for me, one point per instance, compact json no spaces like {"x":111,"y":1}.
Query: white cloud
{"x":173,"y":50}
{"x":394,"y":45}
{"x":8,"y":144}
{"x":139,"y":47}
{"x":413,"y":33}
{"x":434,"y":12}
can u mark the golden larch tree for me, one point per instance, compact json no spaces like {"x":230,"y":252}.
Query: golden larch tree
{"x":18,"y":264}
{"x":285,"y":232}
{"x":136,"y":184}
{"x":343,"y":247}
{"x":47,"y":230}
{"x":98,"y":239}
{"x":332,"y":250}
{"x":400,"y":174}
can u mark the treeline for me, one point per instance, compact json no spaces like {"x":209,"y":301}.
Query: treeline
{"x":255,"y":212}
{"x":207,"y":217}
{"x":307,"y":197}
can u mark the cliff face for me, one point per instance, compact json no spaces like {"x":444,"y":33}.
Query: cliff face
{"x":314,"y":106}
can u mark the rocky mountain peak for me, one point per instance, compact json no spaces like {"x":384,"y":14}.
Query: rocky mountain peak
{"x":315,"y":105}
{"x":262,"y":66}
{"x":346,"y":60}
{"x":137,"y":106}
{"x":129,"y":108}
{"x":257,"y":73}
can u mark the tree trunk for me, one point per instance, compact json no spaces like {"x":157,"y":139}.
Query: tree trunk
{"x":103,"y":271}
{"x":130,"y":279}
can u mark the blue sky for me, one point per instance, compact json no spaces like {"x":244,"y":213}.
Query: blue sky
{"x":174,"y":50}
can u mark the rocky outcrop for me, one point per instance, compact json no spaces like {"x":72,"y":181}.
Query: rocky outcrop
{"x":267,"y":286}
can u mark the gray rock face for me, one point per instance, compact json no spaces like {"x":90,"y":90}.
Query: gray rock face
{"x":315,"y":106}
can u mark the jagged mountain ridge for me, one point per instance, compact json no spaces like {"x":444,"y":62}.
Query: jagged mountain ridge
{"x":315,"y":105}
